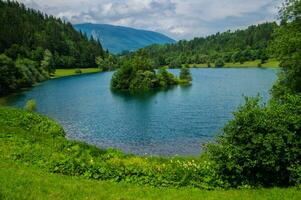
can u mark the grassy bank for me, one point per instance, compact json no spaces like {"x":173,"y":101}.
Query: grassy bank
{"x":24,"y":182}
{"x":37,"y":162}
{"x":71,"y":72}
{"x":249,"y":64}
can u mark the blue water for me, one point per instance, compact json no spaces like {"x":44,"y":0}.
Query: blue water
{"x":170,"y":122}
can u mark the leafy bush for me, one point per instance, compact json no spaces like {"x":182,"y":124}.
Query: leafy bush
{"x":185,"y":75}
{"x":78,"y":71}
{"x":137,"y":75}
{"x":219,"y":63}
{"x":31,"y":105}
{"x":261,"y":145}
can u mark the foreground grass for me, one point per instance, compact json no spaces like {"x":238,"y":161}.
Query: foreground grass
{"x":71,"y":72}
{"x":249,"y":64}
{"x":23,"y":182}
{"x":32,"y":147}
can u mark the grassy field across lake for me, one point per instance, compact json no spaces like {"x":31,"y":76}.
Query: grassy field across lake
{"x":249,"y":64}
{"x":70,"y":72}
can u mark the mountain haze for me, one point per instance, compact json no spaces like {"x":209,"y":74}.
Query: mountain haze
{"x":118,"y":38}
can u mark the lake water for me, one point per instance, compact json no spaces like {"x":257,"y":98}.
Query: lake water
{"x":170,"y":122}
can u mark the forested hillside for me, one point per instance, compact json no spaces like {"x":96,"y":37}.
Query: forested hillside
{"x":33,"y":44}
{"x":237,"y":46}
{"x":119,"y":38}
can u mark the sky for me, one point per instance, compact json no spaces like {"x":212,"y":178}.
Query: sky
{"x":179,"y":19}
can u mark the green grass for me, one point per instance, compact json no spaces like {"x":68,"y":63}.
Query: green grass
{"x":71,"y":72}
{"x":31,"y":146}
{"x":23,"y":182}
{"x":249,"y":64}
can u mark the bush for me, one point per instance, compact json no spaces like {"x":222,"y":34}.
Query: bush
{"x":136,"y":75}
{"x":185,"y":75}
{"x":219,"y":63}
{"x":78,"y":71}
{"x":31,"y":105}
{"x":261,"y":146}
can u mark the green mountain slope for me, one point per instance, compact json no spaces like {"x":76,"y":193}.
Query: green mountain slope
{"x":117,"y":38}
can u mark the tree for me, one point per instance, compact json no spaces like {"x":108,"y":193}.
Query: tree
{"x":219,"y":62}
{"x":286,"y":47}
{"x":8,"y":74}
{"x":185,"y":74}
{"x":261,"y":146}
{"x":47,"y":63}
{"x":165,"y":78}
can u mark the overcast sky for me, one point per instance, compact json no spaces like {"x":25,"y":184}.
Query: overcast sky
{"x":179,"y":19}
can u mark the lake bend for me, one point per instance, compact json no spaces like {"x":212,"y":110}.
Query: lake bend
{"x":172,"y":122}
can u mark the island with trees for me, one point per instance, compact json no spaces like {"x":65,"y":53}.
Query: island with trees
{"x":137,"y":75}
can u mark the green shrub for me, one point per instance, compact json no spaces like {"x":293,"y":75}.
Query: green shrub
{"x":31,"y":105}
{"x":185,"y":75}
{"x":261,"y":146}
{"x":219,"y":62}
{"x":78,"y":71}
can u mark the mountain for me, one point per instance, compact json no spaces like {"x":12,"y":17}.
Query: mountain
{"x":118,"y":38}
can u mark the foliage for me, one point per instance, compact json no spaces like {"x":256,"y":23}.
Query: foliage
{"x":35,"y":140}
{"x":31,"y":105}
{"x":8,"y":74}
{"x":107,"y":63}
{"x":219,"y":63}
{"x":38,"y":44}
{"x":238,"y":46}
{"x":48,"y":62}
{"x":78,"y":71}
{"x":137,"y":75}
{"x":17,"y":178}
{"x":185,"y":75}
{"x":286,"y":47}
{"x":261,"y":146}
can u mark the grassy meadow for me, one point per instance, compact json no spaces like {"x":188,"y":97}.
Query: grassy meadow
{"x":272,"y":63}
{"x":71,"y":72}
{"x":25,"y":182}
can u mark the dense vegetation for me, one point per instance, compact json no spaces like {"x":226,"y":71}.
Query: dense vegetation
{"x":238,"y":46}
{"x":33,"y":44}
{"x":17,"y":178}
{"x":262,"y":144}
{"x":138,"y":75}
{"x":34,"y":140}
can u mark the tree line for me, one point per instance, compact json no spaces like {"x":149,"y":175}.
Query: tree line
{"x":237,"y":47}
{"x":33,"y":45}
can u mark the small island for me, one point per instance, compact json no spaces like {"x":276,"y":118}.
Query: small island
{"x":138,"y":75}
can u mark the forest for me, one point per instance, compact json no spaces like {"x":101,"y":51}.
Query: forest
{"x":235,"y":47}
{"x":33,"y":45}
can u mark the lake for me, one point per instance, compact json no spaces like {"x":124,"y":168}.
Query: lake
{"x":172,"y":122}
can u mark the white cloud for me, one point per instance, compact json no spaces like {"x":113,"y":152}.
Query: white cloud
{"x":176,"y":18}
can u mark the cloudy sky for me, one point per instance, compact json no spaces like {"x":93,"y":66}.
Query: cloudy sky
{"x":179,"y":19}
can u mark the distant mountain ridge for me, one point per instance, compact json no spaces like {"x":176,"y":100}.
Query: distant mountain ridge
{"x":118,"y":38}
